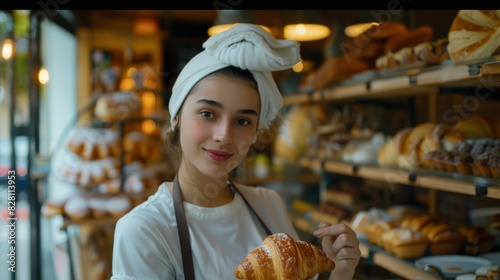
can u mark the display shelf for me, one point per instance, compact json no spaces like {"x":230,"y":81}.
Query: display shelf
{"x":252,"y":180}
{"x":402,"y":267}
{"x":449,"y":182}
{"x":407,"y":81}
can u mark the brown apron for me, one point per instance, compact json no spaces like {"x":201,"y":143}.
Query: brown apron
{"x":182,"y":228}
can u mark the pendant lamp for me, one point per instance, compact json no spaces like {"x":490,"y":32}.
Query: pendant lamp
{"x":227,"y":18}
{"x":304,"y":25}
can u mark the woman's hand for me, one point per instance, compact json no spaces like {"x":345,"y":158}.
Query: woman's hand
{"x":341,"y":245}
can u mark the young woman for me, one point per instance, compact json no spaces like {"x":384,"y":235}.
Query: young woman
{"x":202,"y":223}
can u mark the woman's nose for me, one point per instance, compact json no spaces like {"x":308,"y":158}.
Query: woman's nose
{"x":222,"y":132}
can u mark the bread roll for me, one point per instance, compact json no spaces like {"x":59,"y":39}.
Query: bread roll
{"x":474,"y":34}
{"x":116,"y":106}
{"x":406,"y":243}
{"x":390,"y":151}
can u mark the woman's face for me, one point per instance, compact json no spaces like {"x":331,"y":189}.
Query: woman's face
{"x":218,"y":122}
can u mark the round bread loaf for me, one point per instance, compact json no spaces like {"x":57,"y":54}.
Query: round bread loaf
{"x":474,"y":34}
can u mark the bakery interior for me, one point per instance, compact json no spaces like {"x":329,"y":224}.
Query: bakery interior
{"x":390,"y":125}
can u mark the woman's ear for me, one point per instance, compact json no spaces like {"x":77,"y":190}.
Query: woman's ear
{"x":174,"y":122}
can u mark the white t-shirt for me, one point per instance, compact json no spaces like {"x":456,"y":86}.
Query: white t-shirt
{"x":147,"y":246}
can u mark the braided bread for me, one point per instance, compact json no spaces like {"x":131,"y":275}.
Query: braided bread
{"x":474,"y":34}
{"x":282,"y":257}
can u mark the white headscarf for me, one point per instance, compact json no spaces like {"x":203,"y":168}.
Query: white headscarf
{"x":246,"y":46}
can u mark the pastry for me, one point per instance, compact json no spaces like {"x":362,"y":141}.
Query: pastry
{"x":53,"y":206}
{"x":118,"y":206}
{"x":474,"y":34}
{"x":444,"y":239}
{"x":282,"y":257}
{"x":477,"y":239}
{"x":432,"y":142}
{"x":77,"y":208}
{"x":89,"y":173}
{"x":117,"y":106}
{"x":406,"y":243}
{"x":94,"y":143}
{"x":410,"y":154}
{"x":390,"y":151}
{"x":139,"y":147}
{"x":432,"y":53}
{"x":97,"y":206}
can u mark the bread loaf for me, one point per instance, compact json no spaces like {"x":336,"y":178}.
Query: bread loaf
{"x":474,"y":34}
{"x":390,"y":151}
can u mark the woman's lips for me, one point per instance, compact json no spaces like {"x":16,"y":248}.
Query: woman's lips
{"x":220,"y":156}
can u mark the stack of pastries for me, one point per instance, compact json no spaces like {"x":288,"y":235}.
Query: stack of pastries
{"x":418,"y":234}
{"x":419,"y":147}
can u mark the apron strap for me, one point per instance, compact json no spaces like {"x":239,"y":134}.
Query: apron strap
{"x":183,"y":231}
{"x":268,"y":231}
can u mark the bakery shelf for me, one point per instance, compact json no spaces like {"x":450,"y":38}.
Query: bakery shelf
{"x":405,"y":81}
{"x":401,"y":267}
{"x":449,"y":182}
{"x":275,"y":177}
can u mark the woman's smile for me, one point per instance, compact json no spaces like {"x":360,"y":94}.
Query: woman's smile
{"x":219,"y":156}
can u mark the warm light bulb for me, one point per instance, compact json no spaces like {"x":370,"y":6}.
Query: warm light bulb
{"x":223,"y":27}
{"x":43,"y":76}
{"x":148,"y":127}
{"x":297,"y":68}
{"x":7,"y":49}
{"x":306,"y":32}
{"x":148,"y":102}
{"x":300,"y":29}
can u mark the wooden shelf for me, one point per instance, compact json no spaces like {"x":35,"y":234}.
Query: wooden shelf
{"x":409,"y":81}
{"x":401,"y":267}
{"x":455,"y":183}
{"x":251,"y":180}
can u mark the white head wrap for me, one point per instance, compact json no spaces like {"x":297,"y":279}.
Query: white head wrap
{"x":246,"y":46}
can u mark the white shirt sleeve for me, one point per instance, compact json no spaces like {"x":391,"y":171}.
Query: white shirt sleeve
{"x":137,"y":253}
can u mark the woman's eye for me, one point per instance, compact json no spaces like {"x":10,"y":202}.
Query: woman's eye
{"x":206,"y":114}
{"x":243,"y":122}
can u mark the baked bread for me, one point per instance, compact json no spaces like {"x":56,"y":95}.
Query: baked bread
{"x":410,"y":155}
{"x":432,"y":53}
{"x":474,"y":34}
{"x":477,"y":239}
{"x":77,"y":208}
{"x":89,"y":173}
{"x":473,"y":127}
{"x":94,"y":143}
{"x":282,"y":257}
{"x":116,"y":106}
{"x":390,"y":151}
{"x":139,"y":147}
{"x":443,"y":238}
{"x":53,"y":206}
{"x":405,"y":243}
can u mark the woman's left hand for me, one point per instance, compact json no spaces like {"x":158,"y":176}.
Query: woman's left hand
{"x":341,"y":245}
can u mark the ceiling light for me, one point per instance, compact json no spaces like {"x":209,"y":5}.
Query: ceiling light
{"x":304,"y":26}
{"x":7,"y":49}
{"x":146,"y":26}
{"x":227,"y":18}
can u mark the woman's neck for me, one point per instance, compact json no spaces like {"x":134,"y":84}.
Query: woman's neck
{"x":202,"y":190}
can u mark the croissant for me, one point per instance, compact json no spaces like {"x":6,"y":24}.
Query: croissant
{"x":282,"y":257}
